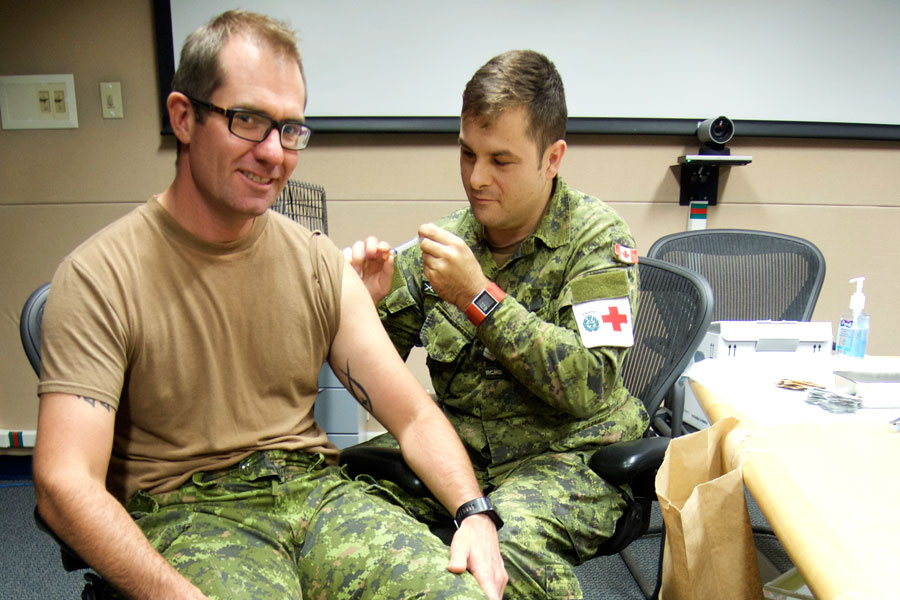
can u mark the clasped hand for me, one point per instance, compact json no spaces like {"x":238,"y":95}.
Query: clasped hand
{"x":475,"y":548}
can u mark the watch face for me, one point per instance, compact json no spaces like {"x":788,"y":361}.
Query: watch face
{"x":485,"y":302}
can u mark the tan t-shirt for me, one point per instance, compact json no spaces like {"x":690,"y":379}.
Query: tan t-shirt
{"x":208,"y":352}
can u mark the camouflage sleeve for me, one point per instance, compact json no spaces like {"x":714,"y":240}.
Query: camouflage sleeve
{"x":546,"y":353}
{"x":401,"y":310}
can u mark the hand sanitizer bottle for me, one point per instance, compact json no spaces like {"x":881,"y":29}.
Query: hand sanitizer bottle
{"x":853,"y":332}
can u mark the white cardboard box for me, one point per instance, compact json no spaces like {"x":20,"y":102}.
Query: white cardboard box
{"x":731,"y":339}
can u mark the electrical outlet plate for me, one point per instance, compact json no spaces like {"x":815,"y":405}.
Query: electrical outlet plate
{"x":38,"y":102}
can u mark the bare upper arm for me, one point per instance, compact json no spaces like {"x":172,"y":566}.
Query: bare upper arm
{"x":75,"y":435}
{"x":367,"y":363}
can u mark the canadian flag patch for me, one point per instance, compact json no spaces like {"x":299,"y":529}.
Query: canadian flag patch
{"x":605,"y":322}
{"x":626,"y":254}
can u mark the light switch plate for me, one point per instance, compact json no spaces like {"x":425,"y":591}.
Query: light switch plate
{"x":111,"y":100}
{"x":38,"y":102}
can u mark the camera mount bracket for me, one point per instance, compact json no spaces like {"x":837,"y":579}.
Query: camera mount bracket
{"x":700,"y":175}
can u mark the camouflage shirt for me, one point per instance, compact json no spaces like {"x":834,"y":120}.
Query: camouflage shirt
{"x":523,"y":383}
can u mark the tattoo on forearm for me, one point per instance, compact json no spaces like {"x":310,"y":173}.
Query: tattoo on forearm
{"x":93,"y":402}
{"x":357,"y":390}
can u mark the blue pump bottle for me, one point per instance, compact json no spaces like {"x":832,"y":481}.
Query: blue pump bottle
{"x":853,"y":331}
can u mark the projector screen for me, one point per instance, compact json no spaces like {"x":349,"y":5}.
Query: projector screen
{"x":806,"y":68}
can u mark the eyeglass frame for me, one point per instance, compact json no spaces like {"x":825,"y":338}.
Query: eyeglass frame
{"x":230,"y":113}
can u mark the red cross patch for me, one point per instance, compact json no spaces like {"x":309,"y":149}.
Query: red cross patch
{"x":615,"y":319}
{"x":605,"y":322}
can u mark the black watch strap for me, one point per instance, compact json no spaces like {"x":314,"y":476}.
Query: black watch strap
{"x":478,"y":506}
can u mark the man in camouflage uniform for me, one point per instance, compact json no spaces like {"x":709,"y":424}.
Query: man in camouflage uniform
{"x":178,"y":453}
{"x":523,"y":302}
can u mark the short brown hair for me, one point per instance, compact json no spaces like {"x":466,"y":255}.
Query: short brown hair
{"x":199,"y":72}
{"x":520,"y":78}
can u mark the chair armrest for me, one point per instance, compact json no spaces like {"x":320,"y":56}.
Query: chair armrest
{"x":622,"y":462}
{"x":383,"y":463}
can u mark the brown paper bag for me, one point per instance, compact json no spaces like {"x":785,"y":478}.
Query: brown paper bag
{"x":709,"y":552}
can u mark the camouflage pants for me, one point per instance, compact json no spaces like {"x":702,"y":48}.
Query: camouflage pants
{"x":284,"y":525}
{"x":556,"y":513}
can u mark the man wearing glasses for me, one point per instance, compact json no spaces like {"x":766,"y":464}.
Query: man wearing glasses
{"x":177,"y":452}
{"x":255,"y":126}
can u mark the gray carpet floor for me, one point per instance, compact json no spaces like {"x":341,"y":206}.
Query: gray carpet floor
{"x":32,"y":571}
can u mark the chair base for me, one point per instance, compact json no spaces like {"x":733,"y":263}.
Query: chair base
{"x":650,"y":593}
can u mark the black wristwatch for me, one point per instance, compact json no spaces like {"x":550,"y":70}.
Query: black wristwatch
{"x":478,"y":506}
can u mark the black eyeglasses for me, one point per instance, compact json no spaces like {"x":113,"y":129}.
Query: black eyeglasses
{"x":255,"y":126}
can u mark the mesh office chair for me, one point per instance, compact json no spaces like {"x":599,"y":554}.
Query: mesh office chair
{"x":304,"y":203}
{"x":675,"y":312}
{"x":676,"y":307}
{"x":30,"y":325}
{"x":755,"y":275}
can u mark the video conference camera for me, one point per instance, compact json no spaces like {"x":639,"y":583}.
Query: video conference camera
{"x":700,"y":172}
{"x":716,"y":131}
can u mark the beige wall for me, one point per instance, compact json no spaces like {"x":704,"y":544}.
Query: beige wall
{"x":58,"y":186}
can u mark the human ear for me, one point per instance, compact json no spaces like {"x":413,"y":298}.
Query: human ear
{"x":552,"y":160}
{"x":181,"y":116}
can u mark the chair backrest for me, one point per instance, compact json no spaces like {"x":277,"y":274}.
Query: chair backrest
{"x":675,"y":310}
{"x":304,"y":203}
{"x":754,"y":275}
{"x":30,"y":325}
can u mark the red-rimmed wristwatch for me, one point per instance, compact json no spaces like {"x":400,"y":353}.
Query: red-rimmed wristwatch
{"x":484,"y":303}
